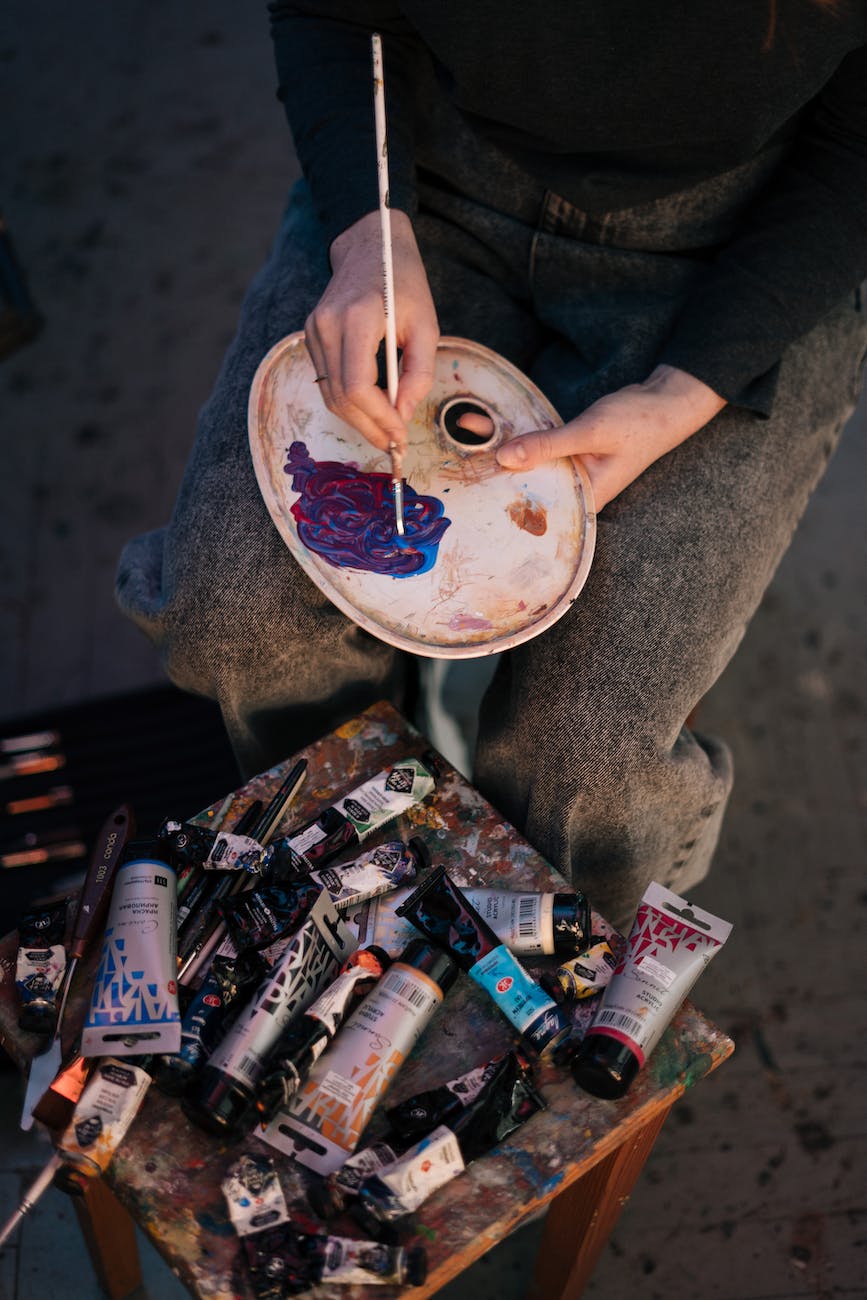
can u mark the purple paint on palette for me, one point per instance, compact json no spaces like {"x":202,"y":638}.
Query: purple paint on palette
{"x":346,"y":516}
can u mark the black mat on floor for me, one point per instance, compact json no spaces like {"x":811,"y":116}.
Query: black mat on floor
{"x":163,"y":752}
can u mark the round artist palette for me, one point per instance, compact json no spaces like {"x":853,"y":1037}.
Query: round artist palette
{"x":491,"y":557}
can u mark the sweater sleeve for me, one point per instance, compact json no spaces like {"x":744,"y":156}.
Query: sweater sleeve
{"x":325,"y":80}
{"x":802,"y":246}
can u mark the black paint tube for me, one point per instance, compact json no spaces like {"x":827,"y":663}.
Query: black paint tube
{"x":395,"y":1191}
{"x":186,"y":843}
{"x":304,"y":1041}
{"x":439,"y":909}
{"x":283,"y":1262}
{"x":40,"y":965}
{"x":257,"y":918}
{"x":228,"y":984}
{"x":415,"y":1116}
{"x":352,"y":819}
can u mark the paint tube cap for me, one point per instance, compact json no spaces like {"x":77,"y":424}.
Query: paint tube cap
{"x":571,"y":923}
{"x":414,"y":1266}
{"x":604,"y":1067}
{"x":432,"y":961}
{"x":218,"y":1104}
{"x":420,"y":852}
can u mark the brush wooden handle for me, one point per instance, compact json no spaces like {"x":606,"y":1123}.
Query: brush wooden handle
{"x":96,"y":892}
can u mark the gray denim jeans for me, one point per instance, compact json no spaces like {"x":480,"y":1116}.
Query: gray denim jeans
{"x":582,"y":740}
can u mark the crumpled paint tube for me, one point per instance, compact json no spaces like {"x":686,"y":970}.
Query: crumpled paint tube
{"x":669,"y":945}
{"x":108,"y":1105}
{"x":582,"y":977}
{"x":506,"y":1102}
{"x":375,"y":872}
{"x":260,"y":917}
{"x":39,"y":966}
{"x":440,"y":910}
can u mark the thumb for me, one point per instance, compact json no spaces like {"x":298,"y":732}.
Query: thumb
{"x":530,"y":449}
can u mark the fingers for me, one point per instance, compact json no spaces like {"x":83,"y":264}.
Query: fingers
{"x":343,"y":352}
{"x":533,"y":449}
{"x":417,"y":365}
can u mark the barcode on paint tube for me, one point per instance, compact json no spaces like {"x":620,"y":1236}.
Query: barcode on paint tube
{"x":248,"y":1065}
{"x":527,"y":917}
{"x":621,"y":1020}
{"x":410,"y":992}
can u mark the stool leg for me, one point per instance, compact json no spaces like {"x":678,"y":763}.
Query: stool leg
{"x":586,"y":1213}
{"x":109,"y":1235}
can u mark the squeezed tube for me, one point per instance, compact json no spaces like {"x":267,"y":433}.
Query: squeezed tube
{"x":110,"y":1102}
{"x":375,"y":872}
{"x":582,"y":977}
{"x":669,"y":945}
{"x":39,"y":966}
{"x":440,"y":910}
{"x":134,"y":1008}
{"x":534,"y":925}
{"x":282,"y":1261}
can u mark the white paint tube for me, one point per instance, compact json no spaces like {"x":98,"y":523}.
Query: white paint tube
{"x":110,"y":1102}
{"x":134,"y":1008}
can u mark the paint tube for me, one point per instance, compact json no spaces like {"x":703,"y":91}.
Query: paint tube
{"x":325,"y":1120}
{"x":258,"y":918}
{"x":424,"y":1111}
{"x":39,"y":966}
{"x":253,"y":1194}
{"x":134,"y":1008}
{"x":583,"y":976}
{"x":109,"y":1103}
{"x":223,"y":1097}
{"x":669,"y":945}
{"x":387,"y":1196}
{"x":283,"y":1261}
{"x":185,"y":844}
{"x":219,"y":999}
{"x":352,"y":819}
{"x":375,"y":920}
{"x":377,"y":871}
{"x":303,"y":1042}
{"x":439,"y":909}
{"x":415,"y":1118}
{"x":534,"y":925}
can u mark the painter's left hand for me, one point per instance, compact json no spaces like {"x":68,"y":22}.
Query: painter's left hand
{"x":624,"y":432}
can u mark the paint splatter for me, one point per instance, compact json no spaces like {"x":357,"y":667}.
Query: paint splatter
{"x":346,"y":516}
{"x":529,"y":515}
{"x":469,"y":623}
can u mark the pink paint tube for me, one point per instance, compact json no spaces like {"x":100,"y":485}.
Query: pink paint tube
{"x":669,"y":946}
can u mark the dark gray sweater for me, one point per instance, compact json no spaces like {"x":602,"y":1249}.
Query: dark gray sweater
{"x":612,"y":102}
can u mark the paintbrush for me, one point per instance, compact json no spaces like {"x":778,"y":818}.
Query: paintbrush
{"x":30,"y":1197}
{"x":387,"y":269}
{"x":90,"y":913}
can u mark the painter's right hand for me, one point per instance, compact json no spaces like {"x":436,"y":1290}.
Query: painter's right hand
{"x":347,"y":325}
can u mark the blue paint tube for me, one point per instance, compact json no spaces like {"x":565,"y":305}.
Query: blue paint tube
{"x":440,"y":911}
{"x":134,"y":1008}
{"x":225,"y":989}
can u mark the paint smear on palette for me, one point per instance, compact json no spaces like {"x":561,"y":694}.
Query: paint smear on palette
{"x":346,"y":517}
{"x":529,"y":515}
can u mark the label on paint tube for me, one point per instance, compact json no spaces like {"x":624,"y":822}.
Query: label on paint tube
{"x":376,"y":872}
{"x":416,"y":1175}
{"x":134,"y":1008}
{"x":387,"y":795}
{"x":110,"y":1102}
{"x":374,"y":921}
{"x":235,"y":853}
{"x":308,"y":963}
{"x":39,"y":972}
{"x":524,"y":922}
{"x":253,"y":1194}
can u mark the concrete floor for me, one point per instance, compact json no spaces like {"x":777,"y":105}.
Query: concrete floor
{"x":146,"y":163}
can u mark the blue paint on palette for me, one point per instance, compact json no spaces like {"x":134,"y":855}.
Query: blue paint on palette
{"x":346,"y":517}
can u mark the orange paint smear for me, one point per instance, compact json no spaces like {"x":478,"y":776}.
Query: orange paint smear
{"x":530,"y":516}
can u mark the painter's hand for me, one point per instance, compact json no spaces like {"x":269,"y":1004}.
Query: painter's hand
{"x":347,"y":325}
{"x":624,"y":432}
